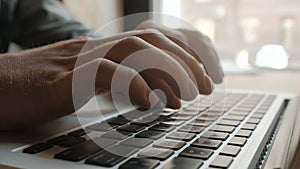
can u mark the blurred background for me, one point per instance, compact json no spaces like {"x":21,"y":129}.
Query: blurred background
{"x":247,"y":33}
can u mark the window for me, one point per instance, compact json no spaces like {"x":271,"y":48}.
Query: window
{"x":242,"y":25}
{"x":95,"y":13}
{"x":250,"y":29}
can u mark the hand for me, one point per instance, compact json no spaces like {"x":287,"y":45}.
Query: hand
{"x":36,"y":84}
{"x":194,"y":42}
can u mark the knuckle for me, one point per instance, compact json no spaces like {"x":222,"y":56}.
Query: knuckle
{"x":79,"y":40}
{"x":152,"y":31}
{"x":132,"y":40}
{"x":180,"y":36}
{"x":75,"y":42}
{"x":101,"y":61}
{"x":98,"y":60}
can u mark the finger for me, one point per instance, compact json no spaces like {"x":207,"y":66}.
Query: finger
{"x":194,"y":42}
{"x":187,"y":61}
{"x":82,"y":83}
{"x":171,"y":100}
{"x":204,"y":49}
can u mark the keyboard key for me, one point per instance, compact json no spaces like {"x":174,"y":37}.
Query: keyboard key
{"x":141,"y":163}
{"x":238,"y":141}
{"x":66,"y":140}
{"x":188,"y":113}
{"x":167,"y":111}
{"x":221,"y":162}
{"x":238,"y":113}
{"x":221,"y":128}
{"x":249,"y":106}
{"x":215,"y":111}
{"x":181,"y":136}
{"x":105,"y":158}
{"x":57,"y":139}
{"x":137,"y":142}
{"x":259,"y":116}
{"x":111,"y":156}
{"x":182,"y":162}
{"x":243,"y":133}
{"x":207,"y":143}
{"x":118,"y":120}
{"x":215,"y":135}
{"x":101,"y":127}
{"x":194,"y":152}
{"x":211,"y":114}
{"x":249,"y":126}
{"x":103,"y":142}
{"x":260,"y":111}
{"x":122,"y":150}
{"x":144,"y":122}
{"x":229,"y":150}
{"x":207,"y":118}
{"x":165,"y":114}
{"x":253,"y":120}
{"x":150,"y":134}
{"x":155,"y":117}
{"x":85,"y":149}
{"x":201,"y":123}
{"x":171,"y":144}
{"x":180,"y":117}
{"x":156,"y":153}
{"x":196,"y":108}
{"x":79,"y":132}
{"x":229,"y":123}
{"x":118,"y":135}
{"x":191,"y":129}
{"x":131,"y":128}
{"x":172,"y":122}
{"x":132,"y":115}
{"x":243,"y":109}
{"x":233,"y":117}
{"x":266,"y":107}
{"x":164,"y":128}
{"x":37,"y":148}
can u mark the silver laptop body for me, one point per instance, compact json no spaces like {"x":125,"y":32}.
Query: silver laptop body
{"x":270,"y":144}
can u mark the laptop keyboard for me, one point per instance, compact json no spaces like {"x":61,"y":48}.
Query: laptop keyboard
{"x":185,"y":138}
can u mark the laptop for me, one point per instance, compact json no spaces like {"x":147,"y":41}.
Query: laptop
{"x":233,"y":129}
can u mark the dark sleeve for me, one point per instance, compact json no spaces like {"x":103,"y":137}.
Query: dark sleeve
{"x":41,"y":22}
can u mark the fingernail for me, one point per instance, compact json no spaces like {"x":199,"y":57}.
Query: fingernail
{"x":209,"y":85}
{"x":176,"y":103}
